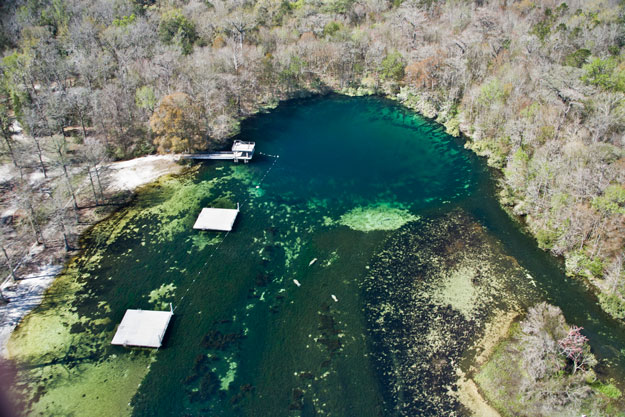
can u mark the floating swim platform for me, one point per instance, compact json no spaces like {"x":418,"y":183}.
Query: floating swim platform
{"x":216,"y":219}
{"x":142,"y":328}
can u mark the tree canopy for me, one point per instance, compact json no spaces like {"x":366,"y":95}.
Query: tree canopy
{"x":177,"y":124}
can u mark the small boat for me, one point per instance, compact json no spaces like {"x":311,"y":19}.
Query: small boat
{"x":336,"y":300}
{"x":296,"y":282}
{"x":312,"y":262}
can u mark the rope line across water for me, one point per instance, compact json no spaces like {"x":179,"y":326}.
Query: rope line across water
{"x":227,"y":233}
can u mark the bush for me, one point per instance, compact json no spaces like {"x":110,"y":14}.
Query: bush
{"x":613,"y":304}
{"x":579,"y":263}
{"x":612,"y":201}
{"x":605,"y":73}
{"x":145,"y":98}
{"x":596,"y":267}
{"x":331,"y":28}
{"x":609,"y":390}
{"x":493,"y":91}
{"x":546,"y":238}
{"x":577,"y":58}
{"x":452,"y":126}
{"x":124,"y":20}
{"x":339,"y":6}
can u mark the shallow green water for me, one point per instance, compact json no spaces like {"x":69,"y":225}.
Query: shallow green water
{"x":341,"y":161}
{"x":333,"y":178}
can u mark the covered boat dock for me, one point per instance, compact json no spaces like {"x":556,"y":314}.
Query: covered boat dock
{"x":241,"y":151}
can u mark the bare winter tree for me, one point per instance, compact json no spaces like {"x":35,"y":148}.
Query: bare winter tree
{"x":5,"y":232}
{"x":62,"y":219}
{"x":26,"y":198}
{"x":94,"y":154}
{"x":36,"y":127}
{"x":542,"y":327}
{"x":80,"y":105}
{"x":59,"y":146}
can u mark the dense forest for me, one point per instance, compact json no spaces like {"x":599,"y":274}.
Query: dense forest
{"x":536,"y":86}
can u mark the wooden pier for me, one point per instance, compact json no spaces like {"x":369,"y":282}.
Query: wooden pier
{"x":241,"y":151}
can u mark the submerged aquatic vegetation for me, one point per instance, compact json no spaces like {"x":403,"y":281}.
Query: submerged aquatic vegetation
{"x":162,"y":296}
{"x":201,"y":241}
{"x":68,"y":366}
{"x":177,"y":212}
{"x":63,"y":346}
{"x":376,"y":217}
{"x":432,"y":291}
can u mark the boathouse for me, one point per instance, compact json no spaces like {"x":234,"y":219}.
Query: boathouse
{"x":241,"y":151}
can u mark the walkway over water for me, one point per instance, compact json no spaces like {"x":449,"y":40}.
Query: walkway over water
{"x":241,"y":150}
{"x":250,"y":341}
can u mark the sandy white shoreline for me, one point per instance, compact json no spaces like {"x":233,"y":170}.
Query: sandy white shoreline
{"x":28,"y":291}
{"x":25,"y":295}
{"x":128,"y":175}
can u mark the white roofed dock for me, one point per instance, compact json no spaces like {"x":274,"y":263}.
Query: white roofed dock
{"x":216,"y":219}
{"x":142,"y":328}
{"x":241,"y":151}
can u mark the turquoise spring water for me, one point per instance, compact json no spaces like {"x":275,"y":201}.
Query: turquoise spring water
{"x":331,"y":180}
{"x":363,"y":162}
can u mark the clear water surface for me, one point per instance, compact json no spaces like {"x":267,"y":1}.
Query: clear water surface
{"x":332,"y":178}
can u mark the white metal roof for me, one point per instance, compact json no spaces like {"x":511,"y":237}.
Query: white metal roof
{"x":143,"y":328}
{"x":216,"y":219}
{"x":243,"y":146}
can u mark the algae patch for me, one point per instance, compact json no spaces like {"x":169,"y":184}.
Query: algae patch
{"x":229,"y":377}
{"x":201,"y":241}
{"x":62,"y":349}
{"x":376,"y":217}
{"x":432,"y":292}
{"x":162,"y":296}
